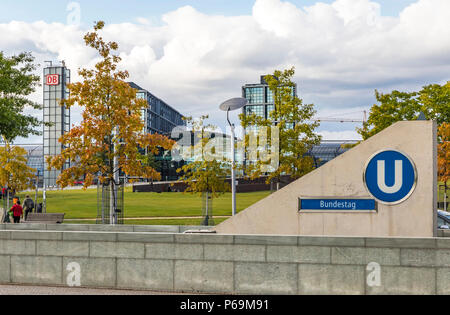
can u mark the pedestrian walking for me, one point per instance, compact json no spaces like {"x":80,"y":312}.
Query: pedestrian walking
{"x":28,"y":206}
{"x":17,"y":211}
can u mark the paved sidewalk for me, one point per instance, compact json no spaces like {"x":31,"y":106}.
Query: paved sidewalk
{"x":43,"y":290}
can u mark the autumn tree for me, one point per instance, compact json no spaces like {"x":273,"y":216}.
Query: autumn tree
{"x":15,"y":174}
{"x":207,"y":172}
{"x":433,"y":101}
{"x":110,"y":135}
{"x":444,"y":154}
{"x":17,"y":82}
{"x":294,"y":127}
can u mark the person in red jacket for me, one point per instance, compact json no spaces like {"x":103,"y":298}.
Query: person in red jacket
{"x":17,"y":211}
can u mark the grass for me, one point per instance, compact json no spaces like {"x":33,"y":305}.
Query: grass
{"x":80,"y":204}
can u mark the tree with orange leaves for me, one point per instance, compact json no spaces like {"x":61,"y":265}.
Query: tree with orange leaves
{"x":111,"y":132}
{"x":444,"y":154}
{"x":15,"y":174}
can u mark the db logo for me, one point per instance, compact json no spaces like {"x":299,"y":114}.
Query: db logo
{"x":390,"y":176}
{"x":52,"y":79}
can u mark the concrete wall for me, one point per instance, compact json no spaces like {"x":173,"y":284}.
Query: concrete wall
{"x":103,"y":227}
{"x":233,"y":264}
{"x":343,"y":177}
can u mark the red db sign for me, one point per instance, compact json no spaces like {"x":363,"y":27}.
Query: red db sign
{"x":52,"y":79}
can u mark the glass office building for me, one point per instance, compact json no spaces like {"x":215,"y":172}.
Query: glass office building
{"x":159,"y":117}
{"x":56,"y":79}
{"x":260,"y":102}
{"x":260,"y":98}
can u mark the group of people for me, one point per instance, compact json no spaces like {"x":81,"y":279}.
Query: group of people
{"x":17,"y":211}
{"x":4,"y":192}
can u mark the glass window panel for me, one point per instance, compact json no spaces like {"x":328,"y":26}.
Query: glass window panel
{"x":269,"y":108}
{"x":269,"y":95}
{"x":254,"y":95}
{"x":258,"y":110}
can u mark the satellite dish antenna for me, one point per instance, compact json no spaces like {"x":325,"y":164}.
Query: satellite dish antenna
{"x":233,"y":104}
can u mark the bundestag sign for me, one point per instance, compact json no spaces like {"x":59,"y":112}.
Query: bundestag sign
{"x":336,"y":204}
{"x":389,"y":176}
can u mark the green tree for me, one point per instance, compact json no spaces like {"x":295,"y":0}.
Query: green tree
{"x":17,"y":82}
{"x":433,"y":101}
{"x":205,"y":174}
{"x":149,"y":160}
{"x":295,"y":129}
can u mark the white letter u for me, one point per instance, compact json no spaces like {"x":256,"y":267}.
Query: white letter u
{"x":398,"y":182}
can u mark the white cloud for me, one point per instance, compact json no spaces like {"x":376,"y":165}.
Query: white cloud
{"x":340,"y":135}
{"x":342,"y":51}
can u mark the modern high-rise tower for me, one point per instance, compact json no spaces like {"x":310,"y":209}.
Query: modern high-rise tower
{"x":56,"y":79}
{"x":260,"y":98}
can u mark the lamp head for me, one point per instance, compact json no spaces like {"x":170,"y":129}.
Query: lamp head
{"x":233,"y":104}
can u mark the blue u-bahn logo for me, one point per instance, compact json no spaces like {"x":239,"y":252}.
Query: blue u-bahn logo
{"x":390,"y":176}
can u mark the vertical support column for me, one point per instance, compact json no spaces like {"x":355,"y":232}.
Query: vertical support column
{"x":435,"y":179}
{"x":233,"y":173}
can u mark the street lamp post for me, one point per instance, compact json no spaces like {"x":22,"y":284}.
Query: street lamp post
{"x":230,"y":105}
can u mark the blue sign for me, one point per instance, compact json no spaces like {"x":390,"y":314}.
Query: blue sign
{"x":390,"y":176}
{"x":336,"y":204}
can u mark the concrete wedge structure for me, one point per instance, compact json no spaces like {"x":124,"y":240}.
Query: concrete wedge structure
{"x":342,"y":177}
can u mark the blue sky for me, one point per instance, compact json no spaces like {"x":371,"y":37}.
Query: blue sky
{"x":204,"y":51}
{"x":118,"y":11}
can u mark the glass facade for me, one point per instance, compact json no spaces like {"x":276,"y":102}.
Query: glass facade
{"x":258,"y":110}
{"x":161,"y":118}
{"x":158,"y":117}
{"x":260,"y":98}
{"x":328,"y":150}
{"x":56,"y":79}
{"x":261,"y":103}
{"x":254,"y":95}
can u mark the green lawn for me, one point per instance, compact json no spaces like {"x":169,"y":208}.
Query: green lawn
{"x":80,"y":204}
